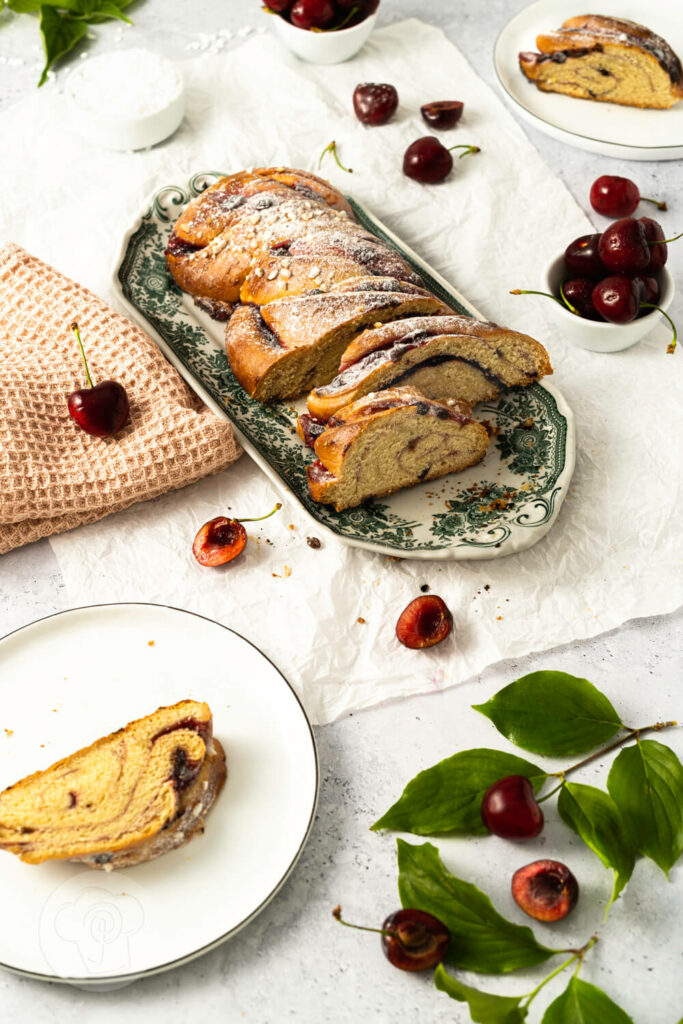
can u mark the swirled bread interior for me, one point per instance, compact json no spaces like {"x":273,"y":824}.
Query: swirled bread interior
{"x":128,"y":797}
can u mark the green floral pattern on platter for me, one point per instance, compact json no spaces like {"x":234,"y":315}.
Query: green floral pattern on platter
{"x":502,"y":505}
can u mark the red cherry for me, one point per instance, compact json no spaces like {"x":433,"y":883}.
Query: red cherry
{"x":623,"y":246}
{"x":581,"y":257}
{"x":658,"y":253}
{"x":426,"y":621}
{"x":412,"y":940}
{"x":617,"y":197}
{"x":649,"y":290}
{"x":222,"y":539}
{"x":509,"y":809}
{"x":545,"y":890}
{"x":428,"y":161}
{"x":442,"y":114}
{"x":312,"y":13}
{"x":617,"y":298}
{"x":577,"y":291}
{"x":100,"y":409}
{"x":374,"y":103}
{"x":279,"y":6}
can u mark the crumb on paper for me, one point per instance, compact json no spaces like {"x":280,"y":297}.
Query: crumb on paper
{"x":361,"y":620}
{"x":9,"y":732}
{"x":487,"y":586}
{"x":313,"y":542}
{"x":424,"y":588}
{"x":291,"y":526}
{"x":499,"y":617}
{"x":288,"y":571}
{"x":150,"y":643}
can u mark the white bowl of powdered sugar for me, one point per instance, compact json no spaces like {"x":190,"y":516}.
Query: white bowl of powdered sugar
{"x":128,"y":99}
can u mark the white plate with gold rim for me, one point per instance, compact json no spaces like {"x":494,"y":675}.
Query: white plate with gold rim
{"x":73,"y":677}
{"x":626,"y":133}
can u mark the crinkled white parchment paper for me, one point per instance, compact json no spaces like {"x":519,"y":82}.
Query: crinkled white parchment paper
{"x":326,"y":617}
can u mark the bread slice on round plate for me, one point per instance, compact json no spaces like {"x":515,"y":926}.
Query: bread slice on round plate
{"x":611,"y":60}
{"x":129,"y":797}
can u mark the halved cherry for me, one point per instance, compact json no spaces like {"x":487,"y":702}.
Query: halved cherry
{"x":424,"y":622}
{"x":222,"y":539}
{"x":442,"y":114}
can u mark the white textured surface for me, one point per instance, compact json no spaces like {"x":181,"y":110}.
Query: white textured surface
{"x":578,"y":587}
{"x":294,"y":962}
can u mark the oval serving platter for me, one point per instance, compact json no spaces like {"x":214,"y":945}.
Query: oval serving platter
{"x":501,"y":506}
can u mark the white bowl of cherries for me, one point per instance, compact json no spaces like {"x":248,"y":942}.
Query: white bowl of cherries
{"x":611,"y":288}
{"x":323,"y":31}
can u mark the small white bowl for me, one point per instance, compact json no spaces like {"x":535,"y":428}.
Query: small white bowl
{"x":323,"y":47}
{"x":596,"y":335}
{"x":126,"y":99}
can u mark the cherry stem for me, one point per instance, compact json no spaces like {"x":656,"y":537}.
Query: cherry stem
{"x":572,"y":309}
{"x":663,"y":241}
{"x":74,"y":328}
{"x":332,"y":148}
{"x":631,"y":734}
{"x":551,"y":793}
{"x":577,"y":954}
{"x":336,"y":914}
{"x":257,"y":519}
{"x":530,"y":291}
{"x":344,"y":23}
{"x":671,"y":347}
{"x":468,"y":149}
{"x":658,"y":203}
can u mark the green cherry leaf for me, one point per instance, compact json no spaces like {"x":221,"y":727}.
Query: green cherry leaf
{"x":484,"y":1008}
{"x":59,"y":36}
{"x":646,"y":784}
{"x":552,"y":713}
{"x":448,"y":796}
{"x":481,"y":940}
{"x":594,"y":817}
{"x":581,"y":1003}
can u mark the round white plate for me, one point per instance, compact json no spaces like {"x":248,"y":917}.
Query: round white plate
{"x":623,"y":132}
{"x":67,"y":680}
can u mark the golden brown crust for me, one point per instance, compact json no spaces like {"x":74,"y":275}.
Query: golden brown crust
{"x":215,"y":240}
{"x":294,"y":343}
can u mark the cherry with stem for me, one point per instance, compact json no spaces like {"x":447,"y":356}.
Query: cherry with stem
{"x":332,"y":148}
{"x":222,"y":539}
{"x":100,"y":409}
{"x":412,"y":939}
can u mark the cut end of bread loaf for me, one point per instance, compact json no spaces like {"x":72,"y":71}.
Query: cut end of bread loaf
{"x":443,"y":357}
{"x":293,"y":344}
{"x":610,"y":60}
{"x":127,"y":798}
{"x":391,"y":440}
